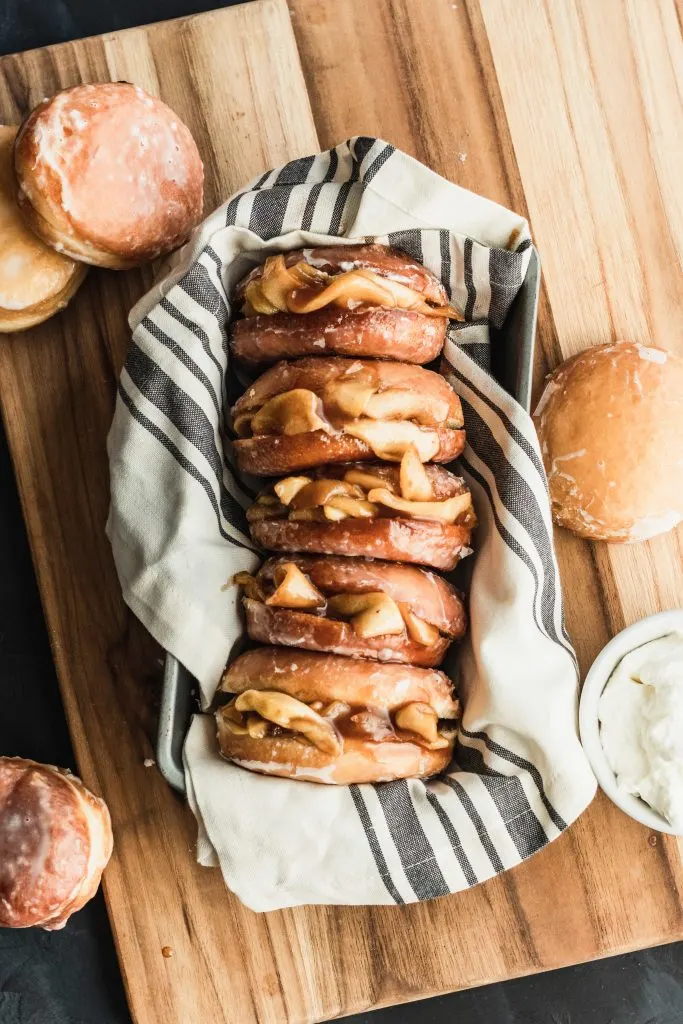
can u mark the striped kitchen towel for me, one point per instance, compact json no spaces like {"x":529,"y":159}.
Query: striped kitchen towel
{"x":178,"y":532}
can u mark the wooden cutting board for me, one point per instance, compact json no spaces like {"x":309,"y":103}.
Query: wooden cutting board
{"x":569,"y":112}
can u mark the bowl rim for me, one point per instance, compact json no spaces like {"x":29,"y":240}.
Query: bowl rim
{"x":641,"y":632}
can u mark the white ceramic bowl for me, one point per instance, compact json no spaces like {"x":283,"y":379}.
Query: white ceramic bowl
{"x":589,"y":726}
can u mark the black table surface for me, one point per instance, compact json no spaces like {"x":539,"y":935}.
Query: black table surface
{"x":71,"y":976}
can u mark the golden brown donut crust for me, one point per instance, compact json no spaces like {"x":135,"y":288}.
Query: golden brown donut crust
{"x":108,"y":175}
{"x":267,"y":455}
{"x":361,"y":760}
{"x":370,"y":332}
{"x":12,"y":320}
{"x":293,"y":628}
{"x":416,"y":541}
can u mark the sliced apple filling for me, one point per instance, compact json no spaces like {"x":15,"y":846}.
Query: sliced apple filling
{"x":361,"y":494}
{"x":270,"y":292}
{"x":270,"y":713}
{"x":390,"y":422}
{"x":370,"y":614}
{"x":389,"y":440}
{"x":256,"y":712}
{"x":358,"y":397}
{"x":414,"y":483}
{"x":445,"y":511}
{"x":366,"y":479}
{"x":303,"y":288}
{"x":291,"y":412}
{"x":293,"y":589}
{"x":420,"y":631}
{"x":422,"y":721}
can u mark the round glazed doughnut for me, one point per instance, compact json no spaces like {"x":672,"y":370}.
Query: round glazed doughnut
{"x":347,"y":300}
{"x":290,"y":628}
{"x":415,"y":533}
{"x":55,"y":841}
{"x":361,"y":761}
{"x":280,"y":615}
{"x":324,"y":718}
{"x":308,"y":676}
{"x":610,"y":423}
{"x":35,"y":281}
{"x":315,"y":411}
{"x":108,"y":175}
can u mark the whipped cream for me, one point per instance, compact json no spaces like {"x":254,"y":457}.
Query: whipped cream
{"x":641,"y":725}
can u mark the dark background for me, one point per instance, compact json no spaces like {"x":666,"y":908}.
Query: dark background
{"x":71,"y":976}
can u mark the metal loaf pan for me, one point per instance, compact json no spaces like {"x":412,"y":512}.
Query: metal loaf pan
{"x":512,"y":364}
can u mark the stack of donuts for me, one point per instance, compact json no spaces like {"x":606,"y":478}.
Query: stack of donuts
{"x":352,"y":429}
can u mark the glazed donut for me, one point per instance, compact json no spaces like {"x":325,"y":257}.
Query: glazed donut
{"x":373,"y":510}
{"x":347,"y":300}
{"x":316,"y":411}
{"x":356,"y":607}
{"x":335,"y":720}
{"x":108,"y":175}
{"x":55,"y":841}
{"x":35,"y":281}
{"x":610,"y":425}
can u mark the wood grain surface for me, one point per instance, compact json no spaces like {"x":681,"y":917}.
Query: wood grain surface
{"x":568,"y":112}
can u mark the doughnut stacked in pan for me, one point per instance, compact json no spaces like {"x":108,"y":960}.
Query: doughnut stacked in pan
{"x":359,"y":514}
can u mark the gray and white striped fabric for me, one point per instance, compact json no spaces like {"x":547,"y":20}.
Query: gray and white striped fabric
{"x":178,"y":533}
